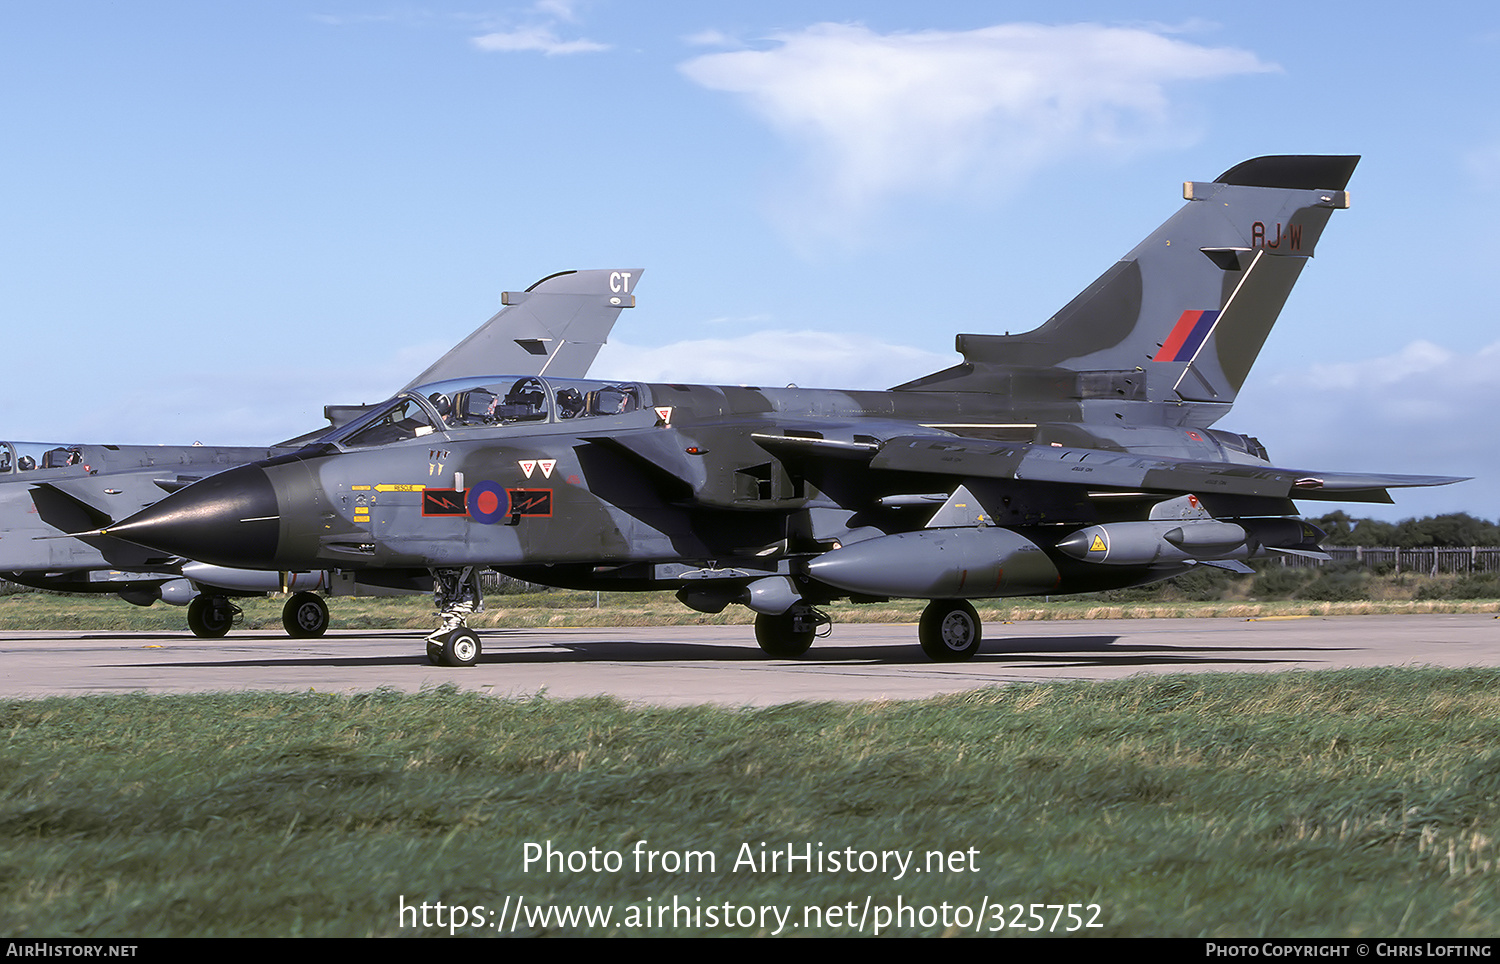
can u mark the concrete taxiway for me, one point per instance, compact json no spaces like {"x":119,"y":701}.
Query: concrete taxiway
{"x":722,"y":664}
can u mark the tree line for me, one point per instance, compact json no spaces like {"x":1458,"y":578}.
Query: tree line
{"x":1453,"y":529}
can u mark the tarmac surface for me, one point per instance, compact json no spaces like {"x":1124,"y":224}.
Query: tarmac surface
{"x":677,"y":665}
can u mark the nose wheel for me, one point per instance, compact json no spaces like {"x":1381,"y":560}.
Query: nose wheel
{"x":459,"y":648}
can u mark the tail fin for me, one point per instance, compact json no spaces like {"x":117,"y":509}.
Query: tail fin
{"x":1181,"y":318}
{"x":555,"y":327}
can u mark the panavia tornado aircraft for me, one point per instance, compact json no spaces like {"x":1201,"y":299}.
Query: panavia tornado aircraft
{"x":1072,"y":458}
{"x":49,"y":490}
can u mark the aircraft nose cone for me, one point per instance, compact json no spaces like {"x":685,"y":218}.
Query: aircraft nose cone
{"x":229,"y":519}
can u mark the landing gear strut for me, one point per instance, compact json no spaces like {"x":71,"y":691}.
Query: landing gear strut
{"x":456,"y":593}
{"x":211,"y":616}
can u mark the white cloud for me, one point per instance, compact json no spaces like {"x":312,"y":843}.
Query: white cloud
{"x":710,"y":38}
{"x":560,"y":9}
{"x":772,"y":358}
{"x":1412,"y":412}
{"x":344,"y":20}
{"x":881,"y":115}
{"x":541,"y":39}
{"x":1417,"y":383}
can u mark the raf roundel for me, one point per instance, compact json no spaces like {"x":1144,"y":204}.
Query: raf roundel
{"x":489,"y":503}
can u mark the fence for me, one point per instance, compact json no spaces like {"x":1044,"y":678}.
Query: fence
{"x":1429,"y":560}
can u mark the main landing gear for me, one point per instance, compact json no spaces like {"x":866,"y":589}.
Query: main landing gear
{"x":457,"y":594}
{"x":788,"y":635}
{"x":211,"y":616}
{"x":305,"y":615}
{"x":950,"y":631}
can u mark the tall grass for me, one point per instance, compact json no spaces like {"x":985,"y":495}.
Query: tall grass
{"x":1357,"y":802}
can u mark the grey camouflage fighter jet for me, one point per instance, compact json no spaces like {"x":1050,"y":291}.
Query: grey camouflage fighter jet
{"x":48,"y":491}
{"x":1072,"y":458}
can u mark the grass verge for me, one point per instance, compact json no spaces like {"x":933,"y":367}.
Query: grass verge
{"x":1344,"y":803}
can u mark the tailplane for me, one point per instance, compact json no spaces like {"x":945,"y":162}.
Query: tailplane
{"x":1182,"y":317}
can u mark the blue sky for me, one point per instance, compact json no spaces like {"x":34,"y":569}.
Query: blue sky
{"x":219,"y":217}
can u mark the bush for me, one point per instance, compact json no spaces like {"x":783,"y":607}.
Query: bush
{"x":1464,"y":587}
{"x":1341,"y":582}
{"x":1280,"y":582}
{"x":1203,"y":584}
{"x":1200,"y":584}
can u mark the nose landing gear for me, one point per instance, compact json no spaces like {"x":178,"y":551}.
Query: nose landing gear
{"x":457,"y":593}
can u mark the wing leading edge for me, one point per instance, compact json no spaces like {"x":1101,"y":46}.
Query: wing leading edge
{"x":1102,"y":470}
{"x":1118,"y":470}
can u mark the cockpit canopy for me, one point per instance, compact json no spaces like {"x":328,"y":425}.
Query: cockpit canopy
{"x":465,"y":403}
{"x":28,"y":456}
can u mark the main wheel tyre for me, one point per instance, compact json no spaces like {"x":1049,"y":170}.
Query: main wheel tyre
{"x":305,"y":615}
{"x":210,"y":616}
{"x":950,"y":630}
{"x":778,"y":635}
{"x":461,"y":648}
